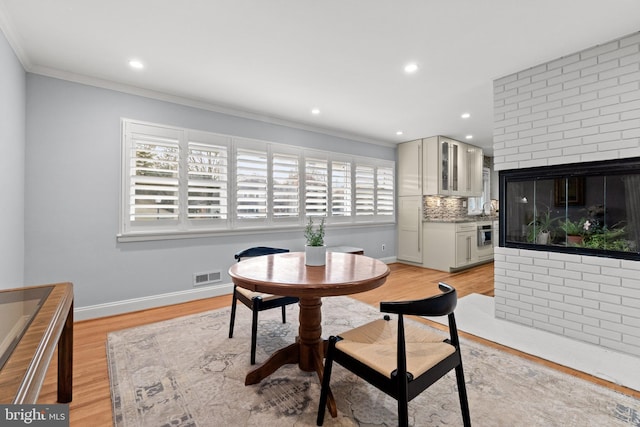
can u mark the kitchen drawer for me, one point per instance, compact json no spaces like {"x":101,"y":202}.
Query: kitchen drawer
{"x":465,"y":226}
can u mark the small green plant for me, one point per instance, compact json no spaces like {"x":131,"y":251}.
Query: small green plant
{"x":573,"y":228}
{"x":543,"y":224}
{"x":314,"y":236}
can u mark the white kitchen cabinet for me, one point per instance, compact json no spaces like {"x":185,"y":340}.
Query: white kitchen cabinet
{"x":451,"y":246}
{"x":410,"y":229}
{"x":410,"y":168}
{"x":451,"y":168}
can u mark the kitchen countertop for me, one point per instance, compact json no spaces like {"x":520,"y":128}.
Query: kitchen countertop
{"x":471,"y":218}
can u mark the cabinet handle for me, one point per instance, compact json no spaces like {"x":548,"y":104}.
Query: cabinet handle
{"x":468,"y":248}
{"x":419,"y":222}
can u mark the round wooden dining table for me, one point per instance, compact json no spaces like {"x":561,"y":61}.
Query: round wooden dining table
{"x":286,"y":274}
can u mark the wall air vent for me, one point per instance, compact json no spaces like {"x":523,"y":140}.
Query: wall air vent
{"x":203,"y":279}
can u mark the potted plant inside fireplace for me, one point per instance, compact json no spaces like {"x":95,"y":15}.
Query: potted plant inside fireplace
{"x":541,"y":230}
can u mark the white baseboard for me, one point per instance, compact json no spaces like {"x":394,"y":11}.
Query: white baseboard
{"x":152,"y":301}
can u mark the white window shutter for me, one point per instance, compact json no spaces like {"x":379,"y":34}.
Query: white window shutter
{"x":384,"y":191}
{"x":364,"y":190}
{"x":286,"y":186}
{"x":251,"y":184}
{"x":207,"y":183}
{"x":341,"y":189}
{"x":316,"y":187}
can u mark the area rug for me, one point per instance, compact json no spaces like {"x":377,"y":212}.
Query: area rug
{"x":186,"y":372}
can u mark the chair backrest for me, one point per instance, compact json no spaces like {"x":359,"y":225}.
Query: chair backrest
{"x":438,"y":305}
{"x":258,"y":251}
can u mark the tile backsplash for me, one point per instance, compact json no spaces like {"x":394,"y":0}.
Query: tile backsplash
{"x":444,"y":207}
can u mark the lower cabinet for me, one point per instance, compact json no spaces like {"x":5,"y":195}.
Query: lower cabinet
{"x":451,"y":246}
{"x":410,"y":229}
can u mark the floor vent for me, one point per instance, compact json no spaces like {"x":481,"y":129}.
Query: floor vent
{"x":203,"y":279}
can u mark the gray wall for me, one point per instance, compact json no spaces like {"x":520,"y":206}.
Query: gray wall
{"x":12,"y":165}
{"x":73,"y":193}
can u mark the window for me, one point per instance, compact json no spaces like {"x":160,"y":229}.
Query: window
{"x":186,"y":182}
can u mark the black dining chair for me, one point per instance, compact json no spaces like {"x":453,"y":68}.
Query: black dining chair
{"x":257,"y":301}
{"x":401,"y":361}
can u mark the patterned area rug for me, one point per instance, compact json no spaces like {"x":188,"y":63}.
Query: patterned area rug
{"x":187,"y":372}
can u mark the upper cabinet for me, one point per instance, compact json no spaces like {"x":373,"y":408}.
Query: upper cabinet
{"x":450,"y":168}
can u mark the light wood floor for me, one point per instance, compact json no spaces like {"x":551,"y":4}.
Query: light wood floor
{"x":91,"y":397}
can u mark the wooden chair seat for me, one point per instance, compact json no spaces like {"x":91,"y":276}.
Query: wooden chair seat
{"x":251,"y":295}
{"x":375,"y":345}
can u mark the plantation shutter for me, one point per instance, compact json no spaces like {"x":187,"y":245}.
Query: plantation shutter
{"x":154,"y":173}
{"x":286,"y":186}
{"x":251,"y":183}
{"x":384,"y":191}
{"x":341,"y":189}
{"x":364,"y":190}
{"x":316,"y":187}
{"x":207,"y":183}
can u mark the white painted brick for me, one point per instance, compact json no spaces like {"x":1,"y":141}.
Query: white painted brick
{"x":500,"y":314}
{"x":566,"y":93}
{"x":620,"y":125}
{"x":547,"y":263}
{"x":521,"y":291}
{"x":547,"y":106}
{"x":530,"y":72}
{"x":604,"y":333}
{"x":546,"y":75}
{"x":627,"y":115}
{"x":618,"y":90}
{"x":582,"y":285}
{"x":596,"y":85}
{"x":564,"y":160}
{"x":519,"y":319}
{"x":506,"y":95}
{"x":580,"y":318}
{"x":542,"y":155}
{"x":603,"y":278}
{"x":563,"y":306}
{"x":517,"y":83}
{"x":579,"y":266}
{"x":631,"y":340}
{"x":602,"y":315}
{"x":530,"y":133}
{"x":631,"y":59}
{"x":518,"y":157}
{"x":600,"y":155}
{"x":603,"y":262}
{"x":580,"y":99}
{"x":549,"y":311}
{"x":631,"y":152}
{"x":601,"y":103}
{"x":504,"y":109}
{"x":630,"y":306}
{"x":532,"y":101}
{"x":599,"y":296}
{"x":532,"y":117}
{"x":565,"y":126}
{"x":565,"y":142}
{"x":564,"y":77}
{"x":563,"y":61}
{"x":618,"y":144}
{"x":580,"y":82}
{"x":590,"y":130}
{"x":602,"y":137}
{"x":510,"y":296}
{"x":518,"y":98}
{"x":628,"y":71}
{"x":563,"y":110}
{"x":600,"y":49}
{"x":566,"y":291}
{"x":629,"y":40}
{"x":536,"y":317}
{"x":620,"y":108}
{"x":598,"y":68}
{"x":599,"y":120}
{"x":564,"y":273}
{"x":630,"y":96}
{"x":618,"y":53}
{"x":625,"y":330}
{"x":534,"y":163}
{"x":582,"y":115}
{"x":519,"y":127}
{"x":559,"y":256}
{"x":629,"y":134}
{"x":619,"y":290}
{"x":582,"y":336}
{"x":631,"y":283}
{"x":546,"y":121}
{"x":631,"y":321}
{"x":564,"y":323}
{"x":509,"y":310}
{"x":619,"y":272}
{"x":548,"y":279}
{"x":534,"y":301}
{"x":578,"y":149}
{"x":531,"y":87}
{"x":517,"y":114}
{"x":519,"y":275}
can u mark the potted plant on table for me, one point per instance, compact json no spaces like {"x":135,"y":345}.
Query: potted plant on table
{"x":541,"y":229}
{"x":315,"y":250}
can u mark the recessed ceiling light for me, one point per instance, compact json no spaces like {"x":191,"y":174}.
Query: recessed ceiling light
{"x":410,"y":68}
{"x":134,"y":63}
{"x":465,"y":115}
{"x":469,"y":136}
{"x":315,"y":111}
{"x":399,"y":132}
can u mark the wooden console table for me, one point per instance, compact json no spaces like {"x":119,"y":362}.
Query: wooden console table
{"x":43,"y":319}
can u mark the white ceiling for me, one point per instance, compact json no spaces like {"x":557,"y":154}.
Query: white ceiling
{"x":278,"y":59}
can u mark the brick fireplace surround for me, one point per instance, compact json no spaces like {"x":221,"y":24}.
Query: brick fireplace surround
{"x":580,"y":108}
